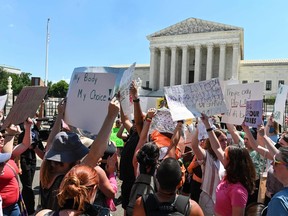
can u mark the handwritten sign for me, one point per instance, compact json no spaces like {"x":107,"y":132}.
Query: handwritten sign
{"x":3,"y":99}
{"x":162,"y":121}
{"x":254,"y":111}
{"x":125,"y":99}
{"x":87,"y":100}
{"x":187,"y":101}
{"x":279,"y":106}
{"x":236,"y":97}
{"x":26,"y":105}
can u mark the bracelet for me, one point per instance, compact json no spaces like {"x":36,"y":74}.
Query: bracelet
{"x":136,"y":100}
{"x":209,"y":129}
{"x":148,"y":119}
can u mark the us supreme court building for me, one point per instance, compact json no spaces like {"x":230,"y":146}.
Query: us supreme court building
{"x":194,"y":50}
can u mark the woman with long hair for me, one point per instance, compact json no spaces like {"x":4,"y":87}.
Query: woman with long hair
{"x":239,"y":181}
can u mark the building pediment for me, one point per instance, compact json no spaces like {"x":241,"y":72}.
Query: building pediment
{"x":193,"y":25}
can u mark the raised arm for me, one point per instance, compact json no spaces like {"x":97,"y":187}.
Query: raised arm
{"x":237,"y":139}
{"x":265,"y":141}
{"x":171,"y":151}
{"x":215,"y":144}
{"x":120,"y":133}
{"x":138,"y":118}
{"x":99,"y":145}
{"x":198,"y":151}
{"x":27,"y":140}
{"x":57,"y":124}
{"x":11,"y":131}
{"x":254,"y":144}
{"x":143,"y":136}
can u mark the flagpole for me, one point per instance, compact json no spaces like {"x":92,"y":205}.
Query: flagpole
{"x":47,"y":46}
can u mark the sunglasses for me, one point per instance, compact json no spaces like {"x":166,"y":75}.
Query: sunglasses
{"x":2,"y":136}
{"x":276,"y":161}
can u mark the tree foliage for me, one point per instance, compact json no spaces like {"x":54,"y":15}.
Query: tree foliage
{"x":18,"y":81}
{"x":58,"y":89}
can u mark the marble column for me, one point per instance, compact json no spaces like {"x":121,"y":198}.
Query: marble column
{"x":9,"y":93}
{"x":162,"y":67}
{"x":222,"y":61}
{"x":185,"y":61}
{"x":209,"y":61}
{"x":198,"y":62}
{"x":173,"y":65}
{"x":152,"y":76}
{"x":235,"y":61}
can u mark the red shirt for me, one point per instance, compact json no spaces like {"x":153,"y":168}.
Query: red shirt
{"x":9,"y":187}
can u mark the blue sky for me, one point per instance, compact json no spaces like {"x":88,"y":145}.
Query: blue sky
{"x":111,"y":32}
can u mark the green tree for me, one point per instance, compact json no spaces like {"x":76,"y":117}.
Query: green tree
{"x":18,"y":81}
{"x":58,"y":89}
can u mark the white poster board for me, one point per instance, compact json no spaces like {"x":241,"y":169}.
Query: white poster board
{"x":279,"y":106}
{"x":254,"y":111}
{"x":187,"y":101}
{"x":3,"y":99}
{"x":87,"y":100}
{"x":236,"y":97}
{"x":125,"y":99}
{"x":26,"y":105}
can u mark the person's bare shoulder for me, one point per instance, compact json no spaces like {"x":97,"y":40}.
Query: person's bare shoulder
{"x":43,"y":212}
{"x":195,"y":209}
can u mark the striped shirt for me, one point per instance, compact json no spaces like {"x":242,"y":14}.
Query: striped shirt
{"x":213,"y":173}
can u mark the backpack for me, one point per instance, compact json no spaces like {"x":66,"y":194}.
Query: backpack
{"x":180,"y":206}
{"x":144,"y":184}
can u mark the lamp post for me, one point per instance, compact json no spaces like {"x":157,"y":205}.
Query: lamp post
{"x":47,"y":46}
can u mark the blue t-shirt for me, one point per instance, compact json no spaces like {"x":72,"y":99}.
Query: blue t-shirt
{"x":279,"y":203}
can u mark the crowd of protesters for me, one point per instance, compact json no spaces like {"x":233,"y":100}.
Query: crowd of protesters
{"x":148,"y":153}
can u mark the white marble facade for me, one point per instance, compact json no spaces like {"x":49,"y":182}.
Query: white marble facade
{"x":194,"y":50}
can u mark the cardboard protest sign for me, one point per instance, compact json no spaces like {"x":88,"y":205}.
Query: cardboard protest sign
{"x":88,"y":99}
{"x":3,"y":99}
{"x":125,"y":99}
{"x":187,"y":101}
{"x":279,"y":106}
{"x":236,"y":97}
{"x":254,"y":111}
{"x":26,"y":105}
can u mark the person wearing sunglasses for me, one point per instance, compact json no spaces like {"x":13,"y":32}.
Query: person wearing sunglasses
{"x":279,"y":202}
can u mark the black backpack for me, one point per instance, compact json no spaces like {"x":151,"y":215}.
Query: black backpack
{"x":144,"y":184}
{"x":180,"y":206}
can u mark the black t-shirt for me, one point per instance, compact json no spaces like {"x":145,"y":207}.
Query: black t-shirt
{"x":126,"y":166}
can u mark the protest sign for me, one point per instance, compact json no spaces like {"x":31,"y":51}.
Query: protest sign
{"x":26,"y":105}
{"x":117,"y":71}
{"x":202,"y":133}
{"x":124,"y":87}
{"x":279,"y":106}
{"x":87,"y":100}
{"x":162,"y":121}
{"x":254,"y":111}
{"x":3,"y":99}
{"x":236,"y":97}
{"x":187,"y":101}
